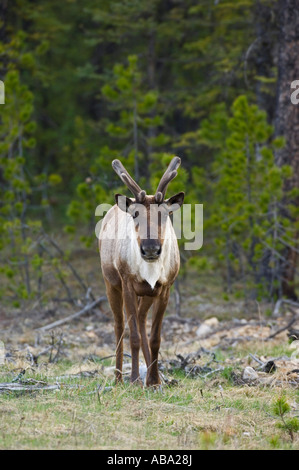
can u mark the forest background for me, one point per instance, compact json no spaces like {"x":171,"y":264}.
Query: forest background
{"x":210,"y":81}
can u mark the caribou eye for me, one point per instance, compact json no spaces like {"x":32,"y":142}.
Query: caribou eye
{"x":136,"y":214}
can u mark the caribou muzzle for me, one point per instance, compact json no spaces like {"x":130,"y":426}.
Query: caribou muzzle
{"x":150,"y":250}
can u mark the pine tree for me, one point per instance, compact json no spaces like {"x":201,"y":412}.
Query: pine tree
{"x":286,"y":123}
{"x":249,"y":229}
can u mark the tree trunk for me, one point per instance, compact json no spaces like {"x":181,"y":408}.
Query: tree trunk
{"x":287,"y":117}
{"x":3,"y":9}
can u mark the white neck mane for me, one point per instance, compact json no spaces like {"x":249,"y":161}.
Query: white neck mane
{"x":150,"y":272}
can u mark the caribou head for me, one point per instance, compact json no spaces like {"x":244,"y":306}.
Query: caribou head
{"x":150,"y":213}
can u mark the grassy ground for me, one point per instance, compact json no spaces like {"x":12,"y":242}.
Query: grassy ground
{"x":214,"y":412}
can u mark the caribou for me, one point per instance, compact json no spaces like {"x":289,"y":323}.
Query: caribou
{"x":140,"y":261}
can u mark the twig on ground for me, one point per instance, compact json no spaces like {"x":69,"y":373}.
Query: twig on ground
{"x":261,"y":363}
{"x":284,"y":301}
{"x":58,"y":345}
{"x":294,"y":319}
{"x":72,"y":317}
{"x":18,"y":387}
{"x":94,"y":358}
{"x":36,"y":387}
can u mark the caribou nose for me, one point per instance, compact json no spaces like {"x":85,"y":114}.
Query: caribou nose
{"x":150,"y":250}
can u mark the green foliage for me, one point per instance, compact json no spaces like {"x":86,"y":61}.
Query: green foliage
{"x":281,"y":408}
{"x":247,"y":186}
{"x":133,"y":108}
{"x":16,"y":189}
{"x":132,"y":130}
{"x":143,"y":81}
{"x":24,"y":197}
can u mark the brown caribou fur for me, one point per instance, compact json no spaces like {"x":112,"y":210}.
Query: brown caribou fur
{"x":138,"y":268}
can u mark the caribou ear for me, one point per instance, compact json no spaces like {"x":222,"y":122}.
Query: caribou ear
{"x":175,"y":202}
{"x":123,"y":202}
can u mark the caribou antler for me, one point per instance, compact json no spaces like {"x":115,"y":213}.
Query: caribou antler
{"x":169,"y":175}
{"x":126,"y":178}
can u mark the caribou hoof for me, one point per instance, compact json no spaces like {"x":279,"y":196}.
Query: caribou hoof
{"x":157,"y":388}
{"x":154,"y":383}
{"x":137,"y":382}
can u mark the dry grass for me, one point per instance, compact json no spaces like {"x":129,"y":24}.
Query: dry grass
{"x":90,"y":412}
{"x":198,"y":413}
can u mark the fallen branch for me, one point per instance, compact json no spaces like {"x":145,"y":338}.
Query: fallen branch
{"x":268,"y":366}
{"x":284,"y":301}
{"x":291,"y":322}
{"x":176,"y":318}
{"x":224,"y":328}
{"x":18,"y":387}
{"x":72,"y":317}
{"x":80,"y":375}
{"x":261,"y":363}
{"x":36,"y":386}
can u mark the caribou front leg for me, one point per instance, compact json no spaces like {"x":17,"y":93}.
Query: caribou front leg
{"x":116,"y":303}
{"x":131,"y":307}
{"x":160,"y":304}
{"x":144,"y":305}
